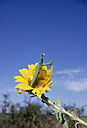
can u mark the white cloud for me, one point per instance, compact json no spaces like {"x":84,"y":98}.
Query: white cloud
{"x":68,"y":71}
{"x":74,"y":85}
{"x":72,"y":79}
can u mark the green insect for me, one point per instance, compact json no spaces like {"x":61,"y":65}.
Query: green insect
{"x":38,"y":68}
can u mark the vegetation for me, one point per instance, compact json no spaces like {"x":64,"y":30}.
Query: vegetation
{"x":31,"y":115}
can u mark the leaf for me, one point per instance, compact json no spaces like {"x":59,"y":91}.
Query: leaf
{"x":52,"y":110}
{"x":54,"y":101}
{"x":65,"y":125}
{"x":79,"y":126}
{"x":59,"y":117}
{"x":73,"y":112}
{"x":58,"y":102}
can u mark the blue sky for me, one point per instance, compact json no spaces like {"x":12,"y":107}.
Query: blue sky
{"x":57,"y":28}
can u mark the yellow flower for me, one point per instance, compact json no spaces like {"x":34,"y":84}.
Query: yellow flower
{"x":40,"y":86}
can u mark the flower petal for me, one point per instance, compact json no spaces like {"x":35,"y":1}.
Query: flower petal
{"x":31,"y":67}
{"x":25,"y":73}
{"x":41,"y":84}
{"x":21,"y":79}
{"x":21,"y":92}
{"x":24,"y":86}
{"x":44,"y":68}
{"x":49,"y":72}
{"x":49,"y":83}
{"x":36,"y":65}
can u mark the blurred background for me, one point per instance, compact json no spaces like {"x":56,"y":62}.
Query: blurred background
{"x":57,"y":28}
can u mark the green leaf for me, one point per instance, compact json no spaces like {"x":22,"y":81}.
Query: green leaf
{"x":52,"y":110}
{"x":65,"y":125}
{"x":73,"y":112}
{"x":54,"y":101}
{"x":59,"y":117}
{"x":58,"y":102}
{"x":79,"y":126}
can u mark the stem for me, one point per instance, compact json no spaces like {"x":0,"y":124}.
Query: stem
{"x":49,"y":103}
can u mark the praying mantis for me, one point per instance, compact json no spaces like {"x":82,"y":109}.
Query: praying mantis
{"x":39,"y":67}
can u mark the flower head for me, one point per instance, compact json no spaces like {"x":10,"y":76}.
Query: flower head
{"x":41,"y":84}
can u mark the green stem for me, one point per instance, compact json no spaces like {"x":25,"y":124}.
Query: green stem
{"x":49,"y":103}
